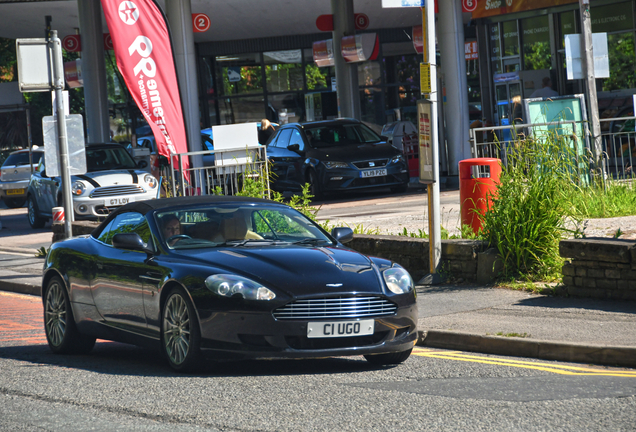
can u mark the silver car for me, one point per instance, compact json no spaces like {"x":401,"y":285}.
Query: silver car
{"x":112,"y":180}
{"x":15,"y":174}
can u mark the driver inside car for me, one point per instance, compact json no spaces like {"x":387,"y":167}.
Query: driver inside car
{"x":171,"y":227}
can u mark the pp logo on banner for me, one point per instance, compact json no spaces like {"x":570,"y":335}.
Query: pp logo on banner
{"x":128,"y":12}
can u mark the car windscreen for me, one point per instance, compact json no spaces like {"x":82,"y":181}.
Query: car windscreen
{"x":108,"y":158}
{"x":340,"y":135}
{"x":230,"y":225}
{"x":22,"y":158}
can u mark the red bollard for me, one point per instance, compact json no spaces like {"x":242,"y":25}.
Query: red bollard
{"x":478,"y":180}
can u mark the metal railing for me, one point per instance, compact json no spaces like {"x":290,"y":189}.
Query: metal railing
{"x":496,"y":141}
{"x":223,"y":171}
{"x":619,"y":146}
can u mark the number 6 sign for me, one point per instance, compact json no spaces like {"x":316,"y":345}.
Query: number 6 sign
{"x":200,"y":22}
{"x":469,"y":5}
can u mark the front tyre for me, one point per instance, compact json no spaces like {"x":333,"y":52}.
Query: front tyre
{"x":180,"y":333}
{"x":59,"y":325}
{"x":388,"y":359}
{"x":314,"y":185}
{"x":35,"y":220}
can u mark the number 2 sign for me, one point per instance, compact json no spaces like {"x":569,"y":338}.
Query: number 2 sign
{"x":200,"y":22}
{"x":469,"y":5}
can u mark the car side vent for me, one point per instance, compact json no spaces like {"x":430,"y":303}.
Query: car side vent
{"x":334,"y":308}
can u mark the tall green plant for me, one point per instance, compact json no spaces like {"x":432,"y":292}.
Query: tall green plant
{"x":527,"y":217}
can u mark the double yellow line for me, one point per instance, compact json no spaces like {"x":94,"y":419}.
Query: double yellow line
{"x":546,"y":367}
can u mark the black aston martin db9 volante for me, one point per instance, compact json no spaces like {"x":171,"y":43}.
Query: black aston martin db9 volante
{"x":226,"y":276}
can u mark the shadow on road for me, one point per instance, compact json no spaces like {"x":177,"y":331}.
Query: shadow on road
{"x":120,"y":359}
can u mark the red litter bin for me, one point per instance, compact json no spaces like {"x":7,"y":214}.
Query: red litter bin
{"x":478,"y":180}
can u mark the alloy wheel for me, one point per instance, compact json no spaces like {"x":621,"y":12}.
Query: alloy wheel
{"x":176,"y":329}
{"x":55,"y":309}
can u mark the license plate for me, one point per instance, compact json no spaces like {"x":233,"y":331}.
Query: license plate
{"x":373,"y":173}
{"x":15,"y":191}
{"x":118,"y":201}
{"x":340,"y":329}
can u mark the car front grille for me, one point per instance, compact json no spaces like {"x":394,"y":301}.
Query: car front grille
{"x":377,"y":163}
{"x":107,"y":191}
{"x":335,"y":308}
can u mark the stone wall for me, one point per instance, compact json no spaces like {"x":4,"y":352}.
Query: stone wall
{"x":461,"y":259}
{"x":599,"y":268}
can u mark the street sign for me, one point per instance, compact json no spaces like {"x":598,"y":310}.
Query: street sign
{"x":72,"y":43}
{"x":200,"y":22}
{"x":36,"y":71}
{"x":325,"y":22}
{"x":425,"y":78}
{"x":469,"y":5}
{"x":108,"y":42}
{"x":403,"y":3}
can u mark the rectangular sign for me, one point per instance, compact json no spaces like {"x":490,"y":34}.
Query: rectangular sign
{"x":35,"y":65}
{"x":489,"y":8}
{"x":573,"y":61}
{"x":402,"y":3}
{"x":424,"y":132}
{"x":425,"y":78}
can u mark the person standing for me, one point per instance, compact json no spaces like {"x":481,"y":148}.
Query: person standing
{"x":546,"y":91}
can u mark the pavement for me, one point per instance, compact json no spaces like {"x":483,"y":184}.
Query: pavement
{"x":459,"y":317}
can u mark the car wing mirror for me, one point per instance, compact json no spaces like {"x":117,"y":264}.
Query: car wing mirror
{"x":294,"y":147}
{"x":130,"y":241}
{"x":342,"y":234}
{"x":142,"y":164}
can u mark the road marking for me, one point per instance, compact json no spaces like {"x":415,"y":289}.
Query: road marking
{"x":546,"y":367}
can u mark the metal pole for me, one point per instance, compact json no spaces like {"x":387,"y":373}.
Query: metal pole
{"x":56,"y":46}
{"x":434,"y":229}
{"x":590,"y":81}
{"x":347,"y":87}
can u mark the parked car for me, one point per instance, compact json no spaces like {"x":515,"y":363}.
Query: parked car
{"x":227,"y":276}
{"x":396,"y":131}
{"x":112,"y":180}
{"x":15,"y":174}
{"x":333,"y":156}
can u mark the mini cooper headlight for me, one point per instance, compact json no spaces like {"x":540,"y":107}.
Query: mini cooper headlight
{"x":78,"y":188}
{"x":332,"y":165}
{"x":396,"y":159}
{"x":229,"y":285}
{"x":398,"y":280}
{"x":150,"y":180}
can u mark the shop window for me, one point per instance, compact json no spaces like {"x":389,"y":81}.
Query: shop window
{"x":567,"y":23}
{"x":240,"y":74}
{"x":207,"y":76}
{"x":318,"y":78}
{"x":612,"y":18}
{"x":407,"y":68}
{"x":283,"y":70}
{"x":622,"y":62}
{"x":241,"y":110}
{"x":495,"y":49}
{"x":371,"y":105}
{"x":286,"y":108}
{"x":369,"y":73}
{"x":536,"y":43}
{"x":510,"y":39}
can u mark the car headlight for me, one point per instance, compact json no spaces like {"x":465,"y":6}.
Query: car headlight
{"x":229,"y":285}
{"x":150,"y":180}
{"x":396,"y":159}
{"x":332,"y":165}
{"x":78,"y":188}
{"x":398,"y":280}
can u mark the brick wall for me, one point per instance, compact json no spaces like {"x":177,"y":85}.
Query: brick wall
{"x":599,"y":268}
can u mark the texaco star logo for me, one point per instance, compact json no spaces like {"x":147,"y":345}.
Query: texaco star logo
{"x":509,"y":3}
{"x":128,"y":12}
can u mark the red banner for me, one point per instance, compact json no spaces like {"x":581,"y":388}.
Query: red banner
{"x":144,"y":57}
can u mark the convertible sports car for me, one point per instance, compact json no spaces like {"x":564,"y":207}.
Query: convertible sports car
{"x":227,"y":276}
